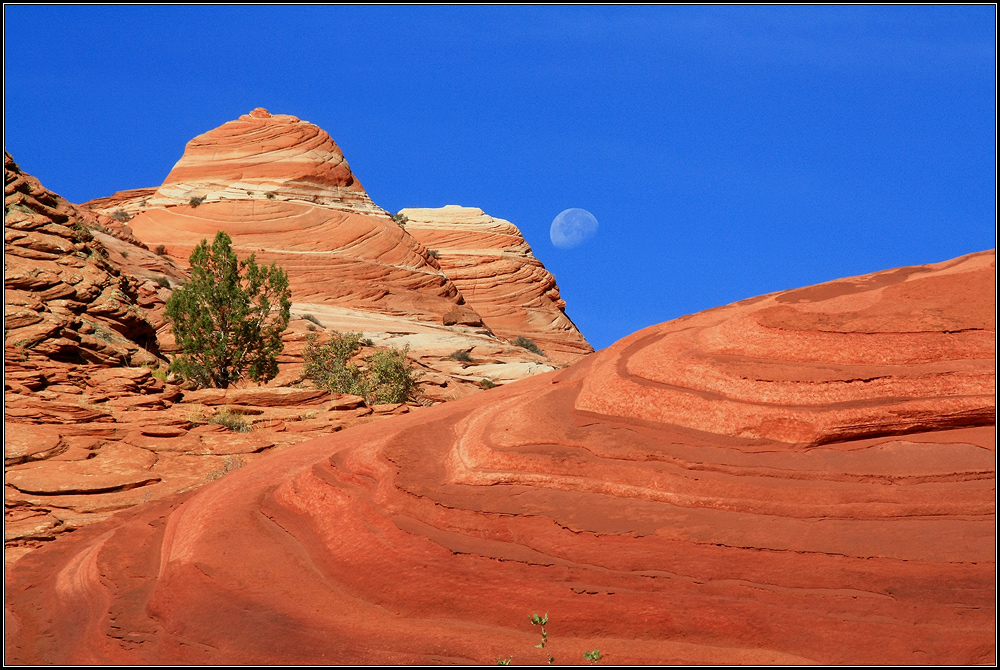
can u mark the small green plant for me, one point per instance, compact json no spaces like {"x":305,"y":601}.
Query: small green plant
{"x":270,"y":195}
{"x":121,"y":215}
{"x":538,"y":620}
{"x":196,"y":200}
{"x":505,"y":661}
{"x":433,"y":253}
{"x":525,"y":343}
{"x":124,"y":254}
{"x":160,"y":250}
{"x":460,"y":355}
{"x":487,"y":383}
{"x":593,"y":656}
{"x":400,"y":219}
{"x":329,"y":364}
{"x":160,"y":374}
{"x":162,"y":281}
{"x":232,"y":420}
{"x":310,"y":317}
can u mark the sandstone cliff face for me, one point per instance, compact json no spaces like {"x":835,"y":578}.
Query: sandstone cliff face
{"x":490,"y":263}
{"x":808,"y":476}
{"x":280,"y":187}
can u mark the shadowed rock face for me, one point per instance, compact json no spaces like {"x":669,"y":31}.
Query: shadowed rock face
{"x":808,"y":476}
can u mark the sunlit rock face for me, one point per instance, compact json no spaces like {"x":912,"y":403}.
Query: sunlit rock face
{"x":805,"y":477}
{"x":492,"y":265}
{"x":280,"y":187}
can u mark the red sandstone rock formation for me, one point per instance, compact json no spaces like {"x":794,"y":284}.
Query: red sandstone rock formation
{"x":63,"y":300}
{"x":87,"y":431}
{"x":491,"y":264}
{"x":282,"y":190}
{"x":804,"y":477}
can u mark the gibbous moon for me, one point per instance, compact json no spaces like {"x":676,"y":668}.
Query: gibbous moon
{"x":572,"y":227}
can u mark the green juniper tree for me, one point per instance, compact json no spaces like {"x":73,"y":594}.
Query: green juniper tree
{"x":229,"y":317}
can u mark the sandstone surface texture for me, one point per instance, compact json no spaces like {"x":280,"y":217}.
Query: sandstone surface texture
{"x":491,"y":264}
{"x":803,"y":477}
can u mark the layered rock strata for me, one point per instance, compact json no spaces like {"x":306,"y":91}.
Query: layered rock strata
{"x":489,"y":261}
{"x":93,"y":424}
{"x":63,"y":300}
{"x":280,"y":187}
{"x":650,"y":499}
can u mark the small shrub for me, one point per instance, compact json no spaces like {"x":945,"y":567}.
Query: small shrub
{"x":121,"y":215}
{"x":160,"y":374}
{"x":162,"y":281}
{"x":460,"y":355}
{"x":389,"y":377}
{"x":310,"y":317}
{"x":368,"y":342}
{"x":230,"y":464}
{"x":196,"y":200}
{"x":593,"y":656}
{"x":234,"y":421}
{"x":400,"y":219}
{"x":270,"y":195}
{"x":124,"y":254}
{"x":81,"y":233}
{"x":329,"y":365}
{"x":386,"y":377}
{"x":432,"y":253}
{"x":525,"y":343}
{"x":487,"y":383}
{"x":160,"y":250}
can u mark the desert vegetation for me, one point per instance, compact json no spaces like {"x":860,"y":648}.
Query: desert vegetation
{"x":525,"y":343}
{"x":386,"y":376}
{"x":228,"y":318}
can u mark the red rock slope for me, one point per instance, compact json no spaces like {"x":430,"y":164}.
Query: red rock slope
{"x":282,"y":189}
{"x":493,"y":267}
{"x":807,"y":476}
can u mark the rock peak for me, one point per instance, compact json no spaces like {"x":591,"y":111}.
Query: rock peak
{"x":264,"y":156}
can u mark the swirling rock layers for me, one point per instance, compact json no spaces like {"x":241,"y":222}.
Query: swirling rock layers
{"x":676,"y":530}
{"x":492,"y":265}
{"x":281,"y":188}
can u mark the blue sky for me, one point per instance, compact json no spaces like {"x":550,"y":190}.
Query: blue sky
{"x":726,"y":151}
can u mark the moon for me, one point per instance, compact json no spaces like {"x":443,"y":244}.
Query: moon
{"x":572,"y":227}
